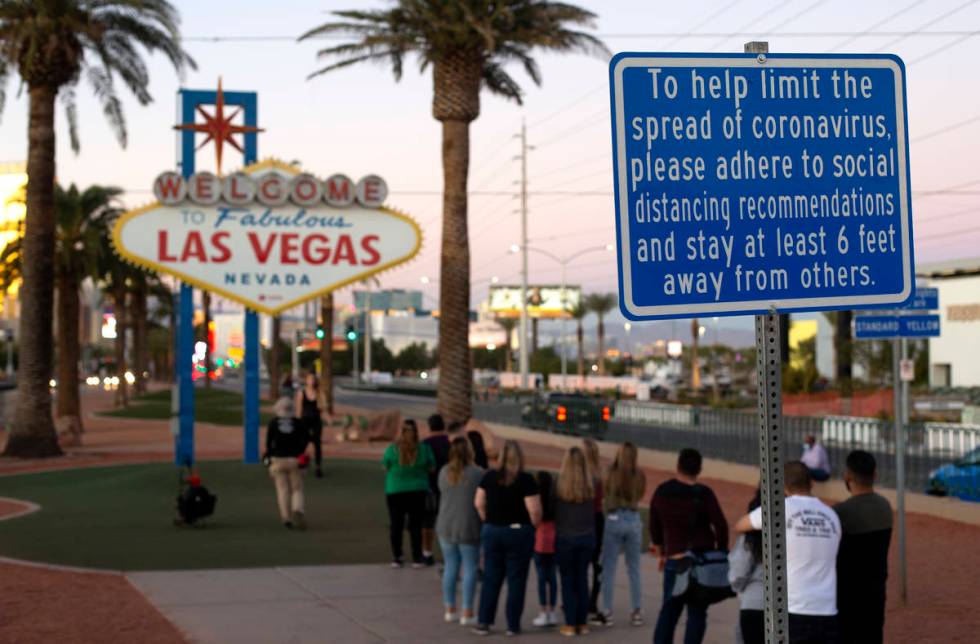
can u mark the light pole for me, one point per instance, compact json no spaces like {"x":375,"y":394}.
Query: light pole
{"x":563,"y":262}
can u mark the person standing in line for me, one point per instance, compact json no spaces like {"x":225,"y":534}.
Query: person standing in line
{"x":458,"y":527}
{"x":815,"y":458}
{"x":591,"y":450}
{"x":479,"y":449}
{"x":624,"y":488}
{"x":438,"y":442}
{"x":745,"y":576}
{"x":862,"y":562}
{"x":813,"y":535}
{"x":574,"y":538}
{"x":286,"y":439}
{"x":407,"y":463}
{"x":544,"y":554}
{"x":510,"y":506}
{"x":684,"y":518}
{"x":311,"y":408}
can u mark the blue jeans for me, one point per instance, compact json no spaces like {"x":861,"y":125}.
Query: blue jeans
{"x":454,"y":554}
{"x":624,"y":532}
{"x":670,"y":612}
{"x":506,"y":554}
{"x":547,"y":579}
{"x":574,"y":554}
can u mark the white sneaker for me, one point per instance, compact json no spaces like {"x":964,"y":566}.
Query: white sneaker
{"x":450,"y":616}
{"x":542,"y":620}
{"x":467,"y":621}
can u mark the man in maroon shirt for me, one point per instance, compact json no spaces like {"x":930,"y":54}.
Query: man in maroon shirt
{"x":684,"y":517}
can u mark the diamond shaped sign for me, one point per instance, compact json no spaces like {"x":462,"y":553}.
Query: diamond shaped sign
{"x":269,"y":236}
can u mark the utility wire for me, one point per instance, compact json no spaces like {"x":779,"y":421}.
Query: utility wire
{"x":881,"y":22}
{"x":944,"y":130}
{"x":921,"y":28}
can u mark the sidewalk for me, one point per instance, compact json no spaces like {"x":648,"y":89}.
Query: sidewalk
{"x":366,"y":604}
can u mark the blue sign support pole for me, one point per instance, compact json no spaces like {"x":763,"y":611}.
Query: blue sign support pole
{"x":251,"y":454}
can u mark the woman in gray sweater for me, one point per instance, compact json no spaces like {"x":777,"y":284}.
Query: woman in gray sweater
{"x":458,"y":527}
{"x":745,"y":576}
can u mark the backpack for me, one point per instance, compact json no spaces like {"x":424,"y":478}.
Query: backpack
{"x":702,"y":577}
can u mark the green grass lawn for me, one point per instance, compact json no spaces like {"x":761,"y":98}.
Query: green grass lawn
{"x":120,"y":518}
{"x":216,"y":406}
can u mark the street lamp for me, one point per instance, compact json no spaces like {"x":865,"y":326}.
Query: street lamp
{"x":563,"y":262}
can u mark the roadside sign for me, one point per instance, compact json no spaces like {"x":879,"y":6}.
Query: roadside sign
{"x":926,"y":298}
{"x":876,"y":326}
{"x":757,"y":181}
{"x":907,"y":370}
{"x":919,"y":326}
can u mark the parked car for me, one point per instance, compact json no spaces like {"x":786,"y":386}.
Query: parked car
{"x":960,"y":479}
{"x":567,"y":414}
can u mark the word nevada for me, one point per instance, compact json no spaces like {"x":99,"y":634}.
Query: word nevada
{"x":270,"y":189}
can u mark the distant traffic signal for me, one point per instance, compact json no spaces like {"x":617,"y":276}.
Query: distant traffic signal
{"x":320,"y":333}
{"x":351,"y":333}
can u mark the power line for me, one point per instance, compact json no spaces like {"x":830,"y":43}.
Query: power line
{"x":944,"y":130}
{"x":711,"y":16}
{"x":952,"y":233}
{"x":887,"y":19}
{"x":795,"y":16}
{"x":941,"y":49}
{"x":926,"y":25}
{"x":589,"y":121}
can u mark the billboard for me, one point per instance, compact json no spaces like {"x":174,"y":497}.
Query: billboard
{"x":542,"y":301}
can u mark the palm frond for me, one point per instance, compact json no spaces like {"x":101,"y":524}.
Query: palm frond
{"x":67,"y":98}
{"x":499,"y":82}
{"x":101,"y":82}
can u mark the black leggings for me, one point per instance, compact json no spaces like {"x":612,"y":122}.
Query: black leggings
{"x":600,"y":526}
{"x":753,"y":624}
{"x":413,"y":505}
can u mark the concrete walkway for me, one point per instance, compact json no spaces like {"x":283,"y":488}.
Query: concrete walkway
{"x":364,"y":604}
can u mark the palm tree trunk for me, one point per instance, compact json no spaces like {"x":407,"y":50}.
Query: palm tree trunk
{"x":33,"y":432}
{"x":138,"y":314}
{"x":580,"y":338}
{"x":508,"y":359}
{"x":68,"y":401}
{"x":844,"y":350}
{"x":602,"y":346}
{"x":274,"y":359}
{"x":326,"y":350}
{"x":119,"y":306}
{"x":206,"y":305}
{"x":455,"y":367}
{"x":695,"y":366}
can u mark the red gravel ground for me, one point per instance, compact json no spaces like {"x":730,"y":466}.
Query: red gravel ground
{"x":42,"y":605}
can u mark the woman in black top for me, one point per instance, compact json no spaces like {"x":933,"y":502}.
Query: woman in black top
{"x":510,"y":506}
{"x":285,"y":440}
{"x":311,"y":408}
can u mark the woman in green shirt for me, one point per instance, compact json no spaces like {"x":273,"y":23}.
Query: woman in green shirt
{"x":407,"y":463}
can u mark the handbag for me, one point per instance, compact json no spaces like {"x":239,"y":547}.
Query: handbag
{"x":702,"y":577}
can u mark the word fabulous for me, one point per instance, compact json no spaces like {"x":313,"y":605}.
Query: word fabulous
{"x":271,"y":189}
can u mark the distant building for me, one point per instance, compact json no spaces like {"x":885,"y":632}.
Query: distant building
{"x":954,"y":357}
{"x":389,"y":300}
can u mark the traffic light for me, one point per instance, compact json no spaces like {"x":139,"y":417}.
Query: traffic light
{"x":351,"y":333}
{"x":320,"y":333}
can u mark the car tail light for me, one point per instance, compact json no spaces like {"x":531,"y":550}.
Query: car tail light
{"x":605,"y":412}
{"x":562,"y":414}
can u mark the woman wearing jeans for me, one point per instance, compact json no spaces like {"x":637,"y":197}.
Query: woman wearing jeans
{"x":458,"y":527}
{"x":574,"y":538}
{"x":509,"y":504}
{"x":407,"y":463}
{"x":625,"y":485}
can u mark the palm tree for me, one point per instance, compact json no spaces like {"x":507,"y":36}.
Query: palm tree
{"x":206,"y":305}
{"x":51,"y":45}
{"x":81,"y":241}
{"x":600,"y":304}
{"x":844,"y":351}
{"x":467,"y":43}
{"x":578,"y":313}
{"x":275,"y":359}
{"x":508,"y":325}
{"x":326,"y":350}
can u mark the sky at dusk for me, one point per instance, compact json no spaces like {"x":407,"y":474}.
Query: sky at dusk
{"x":359,"y":121}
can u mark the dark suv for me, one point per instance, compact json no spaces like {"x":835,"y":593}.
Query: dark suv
{"x":567,"y":414}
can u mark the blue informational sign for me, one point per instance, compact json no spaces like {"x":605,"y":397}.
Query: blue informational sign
{"x":926,"y":298}
{"x":919,"y":326}
{"x":868,"y":327}
{"x":750,"y":182}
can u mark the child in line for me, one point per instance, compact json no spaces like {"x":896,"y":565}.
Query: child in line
{"x":544,"y":555}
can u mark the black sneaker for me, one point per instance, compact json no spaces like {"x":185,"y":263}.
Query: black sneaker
{"x":429,"y":561}
{"x":288,"y":525}
{"x":600,"y":619}
{"x":481,"y":629}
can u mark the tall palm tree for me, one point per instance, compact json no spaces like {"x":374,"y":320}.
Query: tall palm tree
{"x":467,"y":43}
{"x":51,"y":45}
{"x":326,"y":350}
{"x":275,"y":359}
{"x":601,"y":304}
{"x":508,"y":325}
{"x":578,"y":313}
{"x":206,"y":305}
{"x":844,"y":352}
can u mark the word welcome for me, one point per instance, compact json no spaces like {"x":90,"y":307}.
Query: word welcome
{"x":270,"y":189}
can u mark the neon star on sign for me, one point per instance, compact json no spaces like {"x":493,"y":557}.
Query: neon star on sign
{"x":219,"y":128}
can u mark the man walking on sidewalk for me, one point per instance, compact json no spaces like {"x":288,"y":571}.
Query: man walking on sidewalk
{"x":684,"y":517}
{"x":862,"y":563}
{"x":812,"y":539}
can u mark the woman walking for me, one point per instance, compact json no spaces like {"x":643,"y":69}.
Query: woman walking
{"x":311,"y":408}
{"x":624,"y":488}
{"x":745,"y":576}
{"x":286,"y":439}
{"x":591,"y":450}
{"x":544,"y":554}
{"x":407,"y":463}
{"x":510,"y":506}
{"x":575,"y":538}
{"x":458,"y":528}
